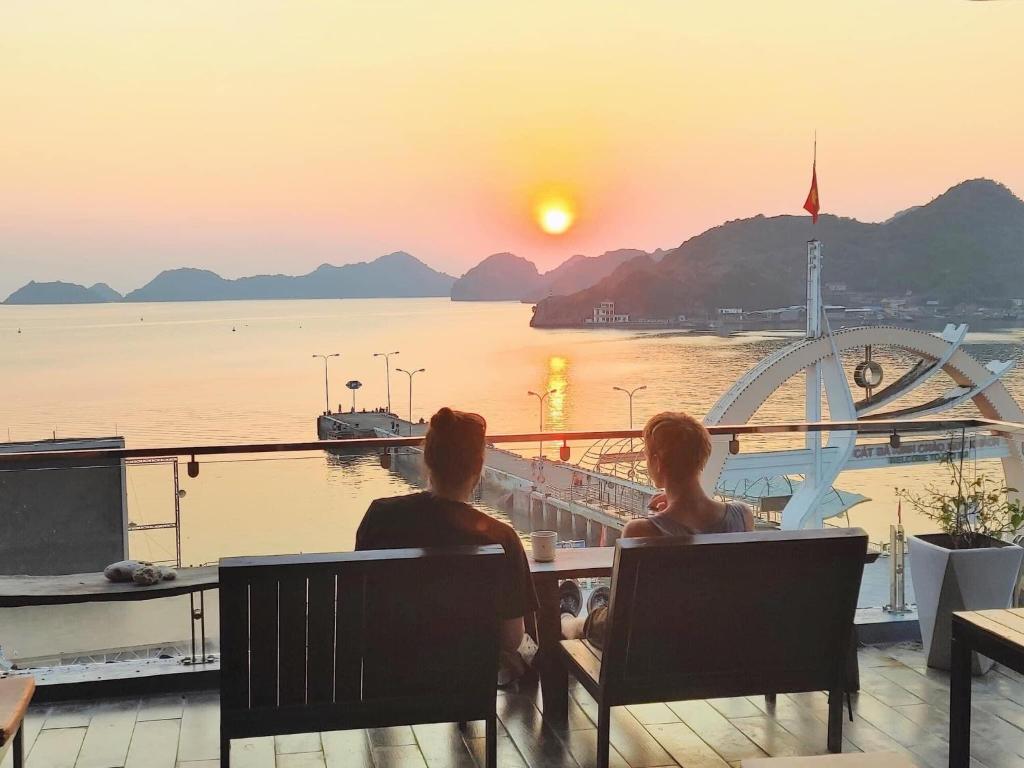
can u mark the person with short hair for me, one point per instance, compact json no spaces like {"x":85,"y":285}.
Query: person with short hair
{"x":677,"y":448}
{"x":453,"y":453}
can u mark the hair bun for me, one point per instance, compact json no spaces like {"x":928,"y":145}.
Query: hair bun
{"x":445,"y":417}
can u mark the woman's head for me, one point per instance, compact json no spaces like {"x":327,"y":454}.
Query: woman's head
{"x":454,"y":451}
{"x":677,"y":448}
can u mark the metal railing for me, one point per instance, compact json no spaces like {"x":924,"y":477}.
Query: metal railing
{"x":879,"y":428}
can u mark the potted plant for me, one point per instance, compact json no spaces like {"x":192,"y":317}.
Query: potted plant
{"x":968,"y":566}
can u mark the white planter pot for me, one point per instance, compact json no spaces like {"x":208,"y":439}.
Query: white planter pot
{"x":948,"y":580}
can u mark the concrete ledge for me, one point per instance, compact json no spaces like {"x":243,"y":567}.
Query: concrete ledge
{"x":877,"y":627}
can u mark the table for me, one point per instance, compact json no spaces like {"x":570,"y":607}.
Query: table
{"x":568,"y":564}
{"x":998,"y":634}
{"x":20,"y":591}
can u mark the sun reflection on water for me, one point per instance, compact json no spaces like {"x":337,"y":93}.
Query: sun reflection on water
{"x":557,"y":384}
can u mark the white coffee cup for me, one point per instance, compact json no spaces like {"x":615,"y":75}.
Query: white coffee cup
{"x":543,"y":543}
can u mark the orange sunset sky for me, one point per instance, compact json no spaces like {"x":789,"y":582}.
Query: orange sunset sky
{"x":257,"y":136}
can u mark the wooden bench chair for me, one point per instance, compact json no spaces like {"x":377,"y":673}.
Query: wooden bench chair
{"x":725,"y":615}
{"x":15,"y":696}
{"x":367,"y":639}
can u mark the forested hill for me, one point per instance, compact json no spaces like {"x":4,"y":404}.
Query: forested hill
{"x":967,"y":245}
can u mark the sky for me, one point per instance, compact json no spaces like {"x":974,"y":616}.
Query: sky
{"x":250,"y":136}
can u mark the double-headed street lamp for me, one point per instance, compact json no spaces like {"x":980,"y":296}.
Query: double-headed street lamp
{"x":540,"y":404}
{"x":410,"y":374}
{"x":387,"y":368}
{"x":327,"y":390}
{"x":630,"y":393}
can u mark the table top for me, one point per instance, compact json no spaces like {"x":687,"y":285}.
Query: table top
{"x":846,"y":760}
{"x":572,"y":563}
{"x":94,"y":587}
{"x":1005,"y":623}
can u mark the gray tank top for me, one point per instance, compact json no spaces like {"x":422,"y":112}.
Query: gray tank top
{"x":733,"y":521}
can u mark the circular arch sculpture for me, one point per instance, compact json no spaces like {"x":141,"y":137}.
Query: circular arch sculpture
{"x":977,"y":382}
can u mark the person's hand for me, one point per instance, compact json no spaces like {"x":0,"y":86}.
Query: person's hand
{"x":658,"y":503}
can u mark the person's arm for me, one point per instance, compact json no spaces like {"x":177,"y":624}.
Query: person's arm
{"x":748,"y":517}
{"x":639,"y":529}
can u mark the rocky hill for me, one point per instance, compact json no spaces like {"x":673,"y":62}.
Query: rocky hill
{"x":58,"y":292}
{"x":967,"y":245}
{"x":499,"y":277}
{"x":507,"y":277}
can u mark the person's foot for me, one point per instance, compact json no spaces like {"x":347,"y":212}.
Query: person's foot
{"x":599,"y":598}
{"x":570,"y":599}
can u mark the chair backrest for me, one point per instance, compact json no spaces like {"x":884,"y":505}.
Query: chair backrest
{"x":733,"y":614}
{"x":359,"y":638}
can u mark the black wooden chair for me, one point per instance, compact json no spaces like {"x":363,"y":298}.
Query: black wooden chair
{"x":724,"y":615}
{"x":358,"y":640}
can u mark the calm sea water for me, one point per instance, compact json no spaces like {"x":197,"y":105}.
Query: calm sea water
{"x":197,"y":373}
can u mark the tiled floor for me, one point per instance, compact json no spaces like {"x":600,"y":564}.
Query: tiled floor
{"x":903,"y":706}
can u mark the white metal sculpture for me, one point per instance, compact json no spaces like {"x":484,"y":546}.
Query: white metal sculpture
{"x":818,"y":355}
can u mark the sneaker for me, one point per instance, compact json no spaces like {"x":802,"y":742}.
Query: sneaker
{"x":599,"y":598}
{"x":570,"y":599}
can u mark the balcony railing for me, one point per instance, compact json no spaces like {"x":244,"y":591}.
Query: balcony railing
{"x":229,"y":502}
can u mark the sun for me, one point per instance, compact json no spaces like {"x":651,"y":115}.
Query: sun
{"x":555,"y":216}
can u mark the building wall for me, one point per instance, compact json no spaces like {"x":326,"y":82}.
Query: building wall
{"x":61,"y":516}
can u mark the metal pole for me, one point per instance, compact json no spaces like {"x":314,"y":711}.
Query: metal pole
{"x":327,"y":388}
{"x":897,"y":572}
{"x":540,"y":423}
{"x":327,"y":391}
{"x":387,"y":377}
{"x":387,"y":371}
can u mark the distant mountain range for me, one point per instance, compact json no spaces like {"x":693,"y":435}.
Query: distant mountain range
{"x":967,"y":245}
{"x":397,"y":275}
{"x":501,"y":277}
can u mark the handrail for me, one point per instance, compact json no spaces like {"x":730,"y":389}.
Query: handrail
{"x":879,"y":427}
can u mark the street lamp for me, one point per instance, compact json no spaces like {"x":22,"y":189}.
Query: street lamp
{"x":410,"y":374}
{"x":387,"y":368}
{"x":540,"y":405}
{"x":327,"y":390}
{"x":630,"y":394}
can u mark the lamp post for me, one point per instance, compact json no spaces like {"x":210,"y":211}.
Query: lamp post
{"x":540,"y":405}
{"x":410,"y":374}
{"x":630,"y":393}
{"x":387,"y":368}
{"x":327,"y":390}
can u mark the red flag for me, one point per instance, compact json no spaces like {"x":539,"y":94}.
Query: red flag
{"x":811,"y":204}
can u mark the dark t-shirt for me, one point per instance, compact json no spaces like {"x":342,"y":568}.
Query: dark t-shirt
{"x":425,"y":520}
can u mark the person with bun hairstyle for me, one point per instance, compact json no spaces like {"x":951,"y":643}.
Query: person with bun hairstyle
{"x":677,"y":448}
{"x":453,"y":452}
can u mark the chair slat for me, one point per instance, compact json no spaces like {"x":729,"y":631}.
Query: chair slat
{"x":349,"y":637}
{"x":234,"y":642}
{"x":291,"y":600}
{"x":263,"y":642}
{"x":320,"y":641}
